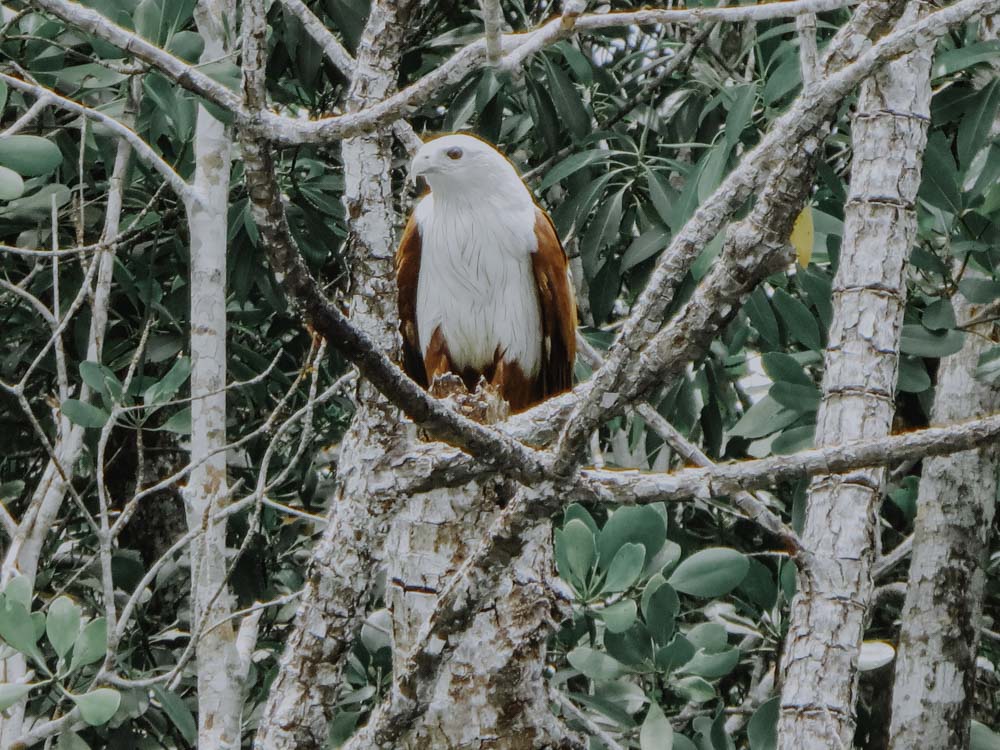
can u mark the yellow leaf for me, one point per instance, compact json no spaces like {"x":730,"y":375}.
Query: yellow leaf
{"x":802,"y":236}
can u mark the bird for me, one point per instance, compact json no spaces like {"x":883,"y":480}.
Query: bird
{"x":484,"y":288}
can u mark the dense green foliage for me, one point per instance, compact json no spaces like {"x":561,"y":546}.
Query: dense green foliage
{"x":677,"y":610}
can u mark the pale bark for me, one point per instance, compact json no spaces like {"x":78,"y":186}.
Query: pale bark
{"x":828,"y":613}
{"x":493,"y":697}
{"x":936,"y":659}
{"x":218,"y":664}
{"x":346,"y":560}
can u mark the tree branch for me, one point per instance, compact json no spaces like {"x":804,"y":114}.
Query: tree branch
{"x":285,"y":131}
{"x":634,"y":487}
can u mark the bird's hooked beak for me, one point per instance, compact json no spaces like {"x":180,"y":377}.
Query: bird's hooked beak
{"x":421,"y":167}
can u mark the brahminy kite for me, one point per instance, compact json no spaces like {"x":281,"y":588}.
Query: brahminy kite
{"x":484,"y":287}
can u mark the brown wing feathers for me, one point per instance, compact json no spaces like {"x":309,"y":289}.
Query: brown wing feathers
{"x":558,"y":308}
{"x":407,"y":271}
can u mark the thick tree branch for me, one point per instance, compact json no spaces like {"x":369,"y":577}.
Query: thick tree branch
{"x":726,"y":479}
{"x":284,"y":130}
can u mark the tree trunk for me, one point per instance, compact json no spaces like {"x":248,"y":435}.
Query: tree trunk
{"x":828,"y":613}
{"x":936,"y":659}
{"x":485,"y":697}
{"x":220,"y":675}
{"x":339,"y":588}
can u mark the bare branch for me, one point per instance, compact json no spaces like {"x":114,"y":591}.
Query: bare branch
{"x":28,"y":117}
{"x":727,"y":479}
{"x":283,"y":130}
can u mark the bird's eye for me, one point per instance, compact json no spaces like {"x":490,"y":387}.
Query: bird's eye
{"x":454,"y":153}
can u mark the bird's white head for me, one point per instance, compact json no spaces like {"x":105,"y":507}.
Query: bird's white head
{"x":462,"y":166}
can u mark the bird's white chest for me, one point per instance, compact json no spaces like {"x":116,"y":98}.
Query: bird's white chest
{"x":477,"y":284}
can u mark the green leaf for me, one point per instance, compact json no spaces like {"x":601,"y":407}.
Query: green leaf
{"x":783,"y":80}
{"x":101,"y":380}
{"x":988,"y":367}
{"x":694,"y":689}
{"x":739,"y":114}
{"x":187,"y":45}
{"x":708,"y":636}
{"x":683,"y":743}
{"x":595,"y":665}
{"x":91,"y":644}
{"x":713,"y":168}
{"x":939,"y":315}
{"x":656,"y":732}
{"x":625,"y":568}
{"x":17,"y":628}
{"x":675,"y":654}
{"x":939,"y":185}
{"x":178,"y":712}
{"x":165,"y":389}
{"x":567,"y":101}
{"x":713,"y":665}
{"x":762,"y":317}
{"x":62,"y":624}
{"x":783,"y":368}
{"x":603,"y":228}
{"x":571,"y":165}
{"x":180,"y":422}
{"x":661,"y":195}
{"x":983,"y":738}
{"x":920,"y":342}
{"x":974,"y":129}
{"x":580,"y":513}
{"x":801,"y":399}
{"x":633,"y":647}
{"x":89,"y":76}
{"x":462,"y":107}
{"x":645,"y":246}
{"x":580,"y":550}
{"x":631,"y":524}
{"x":38,"y":205}
{"x":11,"y":184}
{"x":18,"y":590}
{"x":84,"y":414}
{"x":29,"y":155}
{"x":98,"y":706}
{"x":960,"y":58}
{"x":913,"y":377}
{"x":762,"y":731}
{"x":710,"y":572}
{"x":979,"y":291}
{"x":224,"y":72}
{"x":11,"y":490}
{"x":620,"y":616}
{"x":661,"y":609}
{"x":794,"y":440}
{"x":763,"y":418}
{"x":12,"y":693}
{"x":801,"y":324}
{"x":71,"y":741}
